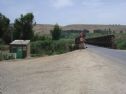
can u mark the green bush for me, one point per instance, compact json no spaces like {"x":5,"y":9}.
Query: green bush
{"x":49,"y":47}
{"x":69,"y":35}
{"x":56,"y":32}
{"x":41,"y":38}
{"x":4,"y":47}
{"x":1,"y":41}
{"x":121,"y":41}
{"x":121,"y":44}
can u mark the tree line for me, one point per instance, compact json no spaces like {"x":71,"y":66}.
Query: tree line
{"x":22,"y":28}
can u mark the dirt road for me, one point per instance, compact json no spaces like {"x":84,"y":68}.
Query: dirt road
{"x":87,"y":71}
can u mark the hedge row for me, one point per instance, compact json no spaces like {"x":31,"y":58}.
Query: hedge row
{"x":49,"y":47}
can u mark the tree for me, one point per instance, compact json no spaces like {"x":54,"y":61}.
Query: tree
{"x":4,"y":28}
{"x":23,"y":27}
{"x":56,"y":32}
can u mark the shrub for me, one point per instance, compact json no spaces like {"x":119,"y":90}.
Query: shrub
{"x":41,"y":38}
{"x":4,"y":47}
{"x":120,"y":40}
{"x":40,"y":47}
{"x":121,"y":44}
{"x":56,"y":32}
{"x":1,"y":42}
{"x":49,"y":47}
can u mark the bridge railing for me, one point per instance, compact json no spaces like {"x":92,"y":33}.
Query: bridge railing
{"x":103,"y":41}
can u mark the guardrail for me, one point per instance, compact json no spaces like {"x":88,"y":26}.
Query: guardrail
{"x":103,"y":41}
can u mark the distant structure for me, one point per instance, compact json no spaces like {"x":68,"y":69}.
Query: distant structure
{"x":21,"y":48}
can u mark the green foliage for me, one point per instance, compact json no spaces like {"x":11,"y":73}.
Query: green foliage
{"x":56,"y":32}
{"x":120,"y":40}
{"x":61,"y":46}
{"x":106,"y":31}
{"x":49,"y":47}
{"x":7,"y":37}
{"x":40,"y":38}
{"x":69,"y":35}
{"x":121,"y":44}
{"x":23,"y":27}
{"x":92,"y":35}
{"x":4,"y":47}
{"x":72,"y":34}
{"x":40,"y":47}
{"x":1,"y":41}
{"x":4,"y":28}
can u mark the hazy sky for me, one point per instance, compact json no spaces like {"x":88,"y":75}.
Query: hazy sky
{"x":67,"y":11}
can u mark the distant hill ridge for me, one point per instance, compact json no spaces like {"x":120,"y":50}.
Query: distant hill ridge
{"x":45,"y":28}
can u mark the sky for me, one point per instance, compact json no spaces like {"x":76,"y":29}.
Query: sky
{"x":66,"y":12}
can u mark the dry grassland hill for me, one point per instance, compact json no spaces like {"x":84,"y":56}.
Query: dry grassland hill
{"x":45,"y":28}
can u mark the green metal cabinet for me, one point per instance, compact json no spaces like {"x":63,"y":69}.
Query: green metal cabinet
{"x":19,"y":53}
{"x":21,"y":48}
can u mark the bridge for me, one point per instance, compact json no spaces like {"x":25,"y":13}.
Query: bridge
{"x":103,"y":41}
{"x":95,"y":70}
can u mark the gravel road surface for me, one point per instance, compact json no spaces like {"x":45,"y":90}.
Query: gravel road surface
{"x":94,"y":70}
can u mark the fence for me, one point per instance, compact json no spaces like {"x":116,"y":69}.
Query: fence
{"x":7,"y":56}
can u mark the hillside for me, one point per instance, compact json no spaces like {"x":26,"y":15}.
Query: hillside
{"x":45,"y":28}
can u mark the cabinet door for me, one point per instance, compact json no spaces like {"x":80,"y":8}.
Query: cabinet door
{"x":19,"y":53}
